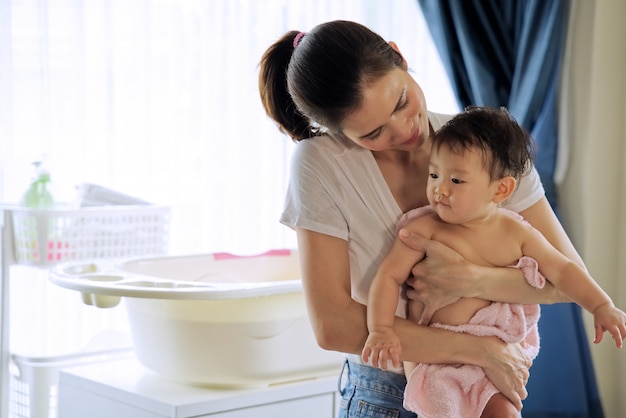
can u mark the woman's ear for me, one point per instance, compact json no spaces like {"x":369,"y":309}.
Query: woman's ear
{"x":506,"y":187}
{"x":394,"y":46}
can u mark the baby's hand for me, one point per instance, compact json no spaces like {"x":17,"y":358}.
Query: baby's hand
{"x":608,"y":318}
{"x":382,"y":345}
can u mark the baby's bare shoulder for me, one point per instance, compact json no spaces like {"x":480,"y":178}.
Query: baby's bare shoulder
{"x":515,"y":223}
{"x":423,"y":224}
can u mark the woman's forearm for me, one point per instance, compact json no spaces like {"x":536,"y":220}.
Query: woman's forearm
{"x":339,"y":327}
{"x":423,"y":344}
{"x":420,"y":344}
{"x":346,"y":331}
{"x":507,"y":284}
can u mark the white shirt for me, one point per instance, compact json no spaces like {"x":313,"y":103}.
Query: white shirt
{"x":336,"y":188}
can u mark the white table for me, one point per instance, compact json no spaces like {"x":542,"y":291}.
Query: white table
{"x":124,"y":388}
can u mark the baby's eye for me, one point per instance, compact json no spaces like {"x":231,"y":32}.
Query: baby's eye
{"x":457,"y":181}
{"x":433,"y":176}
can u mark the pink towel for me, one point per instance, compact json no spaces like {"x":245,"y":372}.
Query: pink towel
{"x":440,"y":391}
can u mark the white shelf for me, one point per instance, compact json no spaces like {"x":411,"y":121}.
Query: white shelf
{"x":125,"y":389}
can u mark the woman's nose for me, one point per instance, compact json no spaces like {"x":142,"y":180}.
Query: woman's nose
{"x":403,"y":129}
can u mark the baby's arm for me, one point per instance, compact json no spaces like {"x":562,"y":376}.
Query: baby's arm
{"x":609,"y":318}
{"x":574,"y":281}
{"x":415,"y":310}
{"x":382,"y":342}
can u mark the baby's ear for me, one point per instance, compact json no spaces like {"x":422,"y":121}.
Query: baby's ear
{"x":506,"y":187}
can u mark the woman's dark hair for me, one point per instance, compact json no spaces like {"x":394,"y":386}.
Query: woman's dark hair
{"x":316,"y":84}
{"x":507,"y":148}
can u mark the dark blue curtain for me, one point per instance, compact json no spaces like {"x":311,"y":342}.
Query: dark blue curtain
{"x":508,"y":53}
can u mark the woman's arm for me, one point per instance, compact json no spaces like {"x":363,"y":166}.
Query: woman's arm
{"x":444,"y":276}
{"x":542,"y":217}
{"x":339,"y":322}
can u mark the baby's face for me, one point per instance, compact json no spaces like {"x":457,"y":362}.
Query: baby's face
{"x":459,"y":187}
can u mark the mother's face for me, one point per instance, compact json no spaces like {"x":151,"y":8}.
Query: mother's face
{"x":392,"y":115}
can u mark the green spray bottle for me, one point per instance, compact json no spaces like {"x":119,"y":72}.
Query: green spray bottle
{"x":38,"y":195}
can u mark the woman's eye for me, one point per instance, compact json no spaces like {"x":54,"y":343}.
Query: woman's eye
{"x":404,"y":101}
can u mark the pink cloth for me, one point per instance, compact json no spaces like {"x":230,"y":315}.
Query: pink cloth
{"x":442,"y":391}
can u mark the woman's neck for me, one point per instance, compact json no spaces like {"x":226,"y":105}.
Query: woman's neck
{"x":406,"y":175}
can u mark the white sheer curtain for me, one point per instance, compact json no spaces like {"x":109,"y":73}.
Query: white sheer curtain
{"x":159,"y":99}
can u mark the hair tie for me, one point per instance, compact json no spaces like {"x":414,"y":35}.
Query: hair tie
{"x":297,"y":39}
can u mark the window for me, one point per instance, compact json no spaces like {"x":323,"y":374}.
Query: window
{"x":159,"y":99}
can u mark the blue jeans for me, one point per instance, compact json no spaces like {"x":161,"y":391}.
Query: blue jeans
{"x":369,"y":392}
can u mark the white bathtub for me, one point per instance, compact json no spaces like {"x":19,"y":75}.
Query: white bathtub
{"x":213,"y":319}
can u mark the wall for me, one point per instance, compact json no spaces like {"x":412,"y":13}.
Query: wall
{"x":593,"y":183}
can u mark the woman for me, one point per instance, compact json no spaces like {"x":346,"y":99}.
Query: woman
{"x":361,"y":126}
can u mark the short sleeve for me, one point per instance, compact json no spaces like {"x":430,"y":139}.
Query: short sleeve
{"x":310,"y":201}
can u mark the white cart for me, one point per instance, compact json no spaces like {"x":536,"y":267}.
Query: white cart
{"x":42,"y":238}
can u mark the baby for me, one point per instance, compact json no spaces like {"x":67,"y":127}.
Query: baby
{"x":477,"y":159}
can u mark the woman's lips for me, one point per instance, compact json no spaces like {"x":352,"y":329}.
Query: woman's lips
{"x":412,"y":139}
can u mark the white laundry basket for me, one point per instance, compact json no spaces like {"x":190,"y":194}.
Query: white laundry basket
{"x":44,"y":237}
{"x":34,"y":380}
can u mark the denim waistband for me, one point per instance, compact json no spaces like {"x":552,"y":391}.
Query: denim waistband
{"x":372,"y":378}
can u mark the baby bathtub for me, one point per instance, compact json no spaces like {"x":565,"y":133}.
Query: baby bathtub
{"x":214,"y":319}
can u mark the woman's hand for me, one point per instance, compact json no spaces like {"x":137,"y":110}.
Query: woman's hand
{"x":508,"y":369}
{"x":441,"y":278}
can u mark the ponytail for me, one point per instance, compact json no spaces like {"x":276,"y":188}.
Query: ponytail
{"x":275,"y":96}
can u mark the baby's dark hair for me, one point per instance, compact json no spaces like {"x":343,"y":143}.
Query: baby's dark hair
{"x":313,"y":86}
{"x":506,"y":147}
